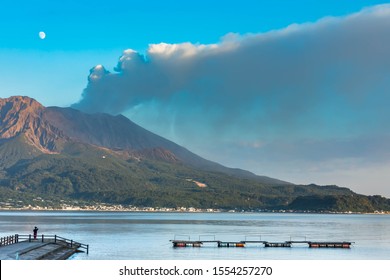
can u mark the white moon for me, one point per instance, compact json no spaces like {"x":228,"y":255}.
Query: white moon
{"x":42,"y":35}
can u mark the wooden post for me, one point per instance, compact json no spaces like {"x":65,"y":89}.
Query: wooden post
{"x":71,"y":244}
{"x":29,"y":238}
{"x":55,"y":238}
{"x":42,"y":238}
{"x":87,"y":249}
{"x":17,"y":238}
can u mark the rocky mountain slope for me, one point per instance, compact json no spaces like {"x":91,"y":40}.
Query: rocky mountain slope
{"x":59,"y":153}
{"x":23,"y":116}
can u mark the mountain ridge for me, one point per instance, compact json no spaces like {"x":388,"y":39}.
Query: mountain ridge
{"x":48,"y":129}
{"x":60,"y":153}
{"x":126,"y":129}
{"x":23,"y":115}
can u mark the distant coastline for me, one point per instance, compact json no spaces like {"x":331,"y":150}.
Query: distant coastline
{"x":120,"y":208}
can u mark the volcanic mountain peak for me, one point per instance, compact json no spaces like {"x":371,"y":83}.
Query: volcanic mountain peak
{"x":56,"y":130}
{"x":22,"y":115}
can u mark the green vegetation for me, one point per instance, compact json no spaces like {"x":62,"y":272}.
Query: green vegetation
{"x":60,"y":156}
{"x":340,"y":203}
{"x":90,"y":174}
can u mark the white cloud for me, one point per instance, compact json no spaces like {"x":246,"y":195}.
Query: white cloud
{"x":177,"y":50}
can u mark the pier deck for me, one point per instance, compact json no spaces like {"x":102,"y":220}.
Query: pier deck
{"x":49,"y":247}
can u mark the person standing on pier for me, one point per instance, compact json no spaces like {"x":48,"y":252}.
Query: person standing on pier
{"x":35,"y":231}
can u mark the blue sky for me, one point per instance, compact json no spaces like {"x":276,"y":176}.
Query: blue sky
{"x":110,"y":25}
{"x":218,"y":107}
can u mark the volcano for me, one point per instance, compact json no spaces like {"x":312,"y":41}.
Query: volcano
{"x":62,"y":153}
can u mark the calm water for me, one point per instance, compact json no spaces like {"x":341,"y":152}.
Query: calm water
{"x":142,"y":236}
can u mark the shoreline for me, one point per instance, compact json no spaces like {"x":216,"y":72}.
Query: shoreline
{"x":184,"y":210}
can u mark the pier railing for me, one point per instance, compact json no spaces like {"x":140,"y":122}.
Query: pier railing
{"x":8,"y":240}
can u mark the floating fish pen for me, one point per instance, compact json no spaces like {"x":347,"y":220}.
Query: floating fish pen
{"x":231,"y":244}
{"x":241,"y":244}
{"x":277,"y":244}
{"x":344,"y":245}
{"x":182,"y":243}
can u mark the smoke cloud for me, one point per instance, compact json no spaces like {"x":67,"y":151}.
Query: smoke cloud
{"x":323,"y":82}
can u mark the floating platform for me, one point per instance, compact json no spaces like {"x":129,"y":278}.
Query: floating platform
{"x":231,"y":244}
{"x":344,"y":245}
{"x":241,"y":244}
{"x":182,"y":243}
{"x":277,"y":244}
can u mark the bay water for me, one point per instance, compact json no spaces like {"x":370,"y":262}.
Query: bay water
{"x":147,"y":235}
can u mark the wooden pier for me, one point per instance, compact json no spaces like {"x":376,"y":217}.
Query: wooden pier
{"x":267,"y":244}
{"x":44,"y":247}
